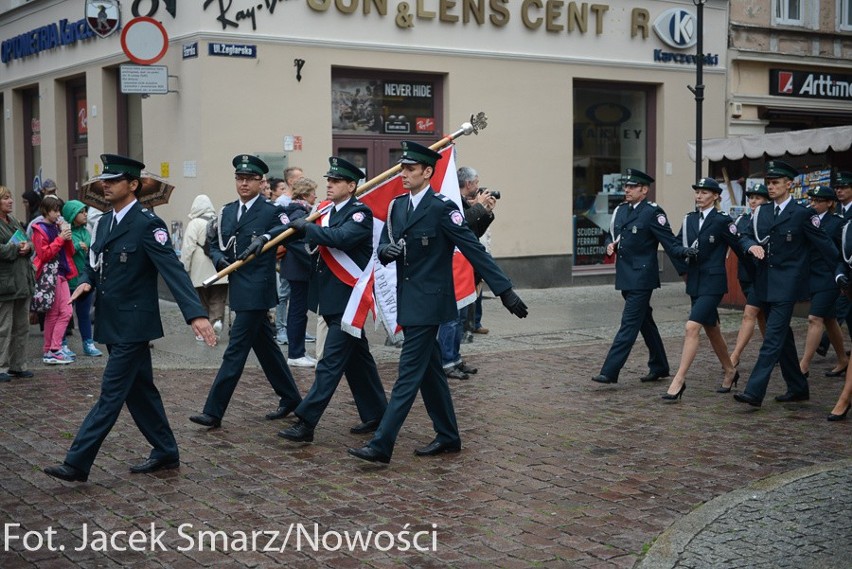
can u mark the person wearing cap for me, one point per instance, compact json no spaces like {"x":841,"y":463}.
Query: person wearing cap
{"x":842,"y":186}
{"x":746,"y":268}
{"x":843,"y":272}
{"x":245,"y":226}
{"x":344,"y":235}
{"x":784,"y":237}
{"x":638,"y":227}
{"x":824,"y":291}
{"x":708,"y":232}
{"x":132,"y":248}
{"x":422,"y":229}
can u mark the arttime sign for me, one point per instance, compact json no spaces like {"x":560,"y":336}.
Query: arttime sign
{"x":811,"y":85}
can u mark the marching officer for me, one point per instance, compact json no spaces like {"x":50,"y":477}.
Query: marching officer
{"x":706,"y":233}
{"x":132,"y":246}
{"x":343,"y":275}
{"x":780,"y":237}
{"x":422,"y":229}
{"x":637,"y":228}
{"x":245,"y":225}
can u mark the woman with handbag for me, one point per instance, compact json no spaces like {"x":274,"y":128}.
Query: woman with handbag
{"x":16,"y":288}
{"x":54,"y":251}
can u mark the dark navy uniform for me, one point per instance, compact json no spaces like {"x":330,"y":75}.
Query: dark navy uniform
{"x":823,"y":288}
{"x":638,"y":231}
{"x":782,"y":279}
{"x":746,"y":267}
{"x":252,"y":292}
{"x":350,"y":229}
{"x":128,"y":318}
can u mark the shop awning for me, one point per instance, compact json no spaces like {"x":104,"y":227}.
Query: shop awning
{"x":798,"y":142}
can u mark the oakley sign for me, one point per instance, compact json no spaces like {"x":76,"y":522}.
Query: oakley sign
{"x":677,"y":28}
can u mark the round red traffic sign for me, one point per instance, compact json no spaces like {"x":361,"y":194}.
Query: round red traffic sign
{"x":144,"y":40}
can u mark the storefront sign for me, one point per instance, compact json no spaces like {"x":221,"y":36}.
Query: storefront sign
{"x":811,"y":85}
{"x":45,"y":38}
{"x":153,"y":7}
{"x":231,"y":17}
{"x":231,"y":50}
{"x":677,"y":28}
{"x":684,"y":58}
{"x":103,"y":16}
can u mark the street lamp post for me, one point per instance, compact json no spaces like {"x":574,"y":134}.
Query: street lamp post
{"x":698,"y":90}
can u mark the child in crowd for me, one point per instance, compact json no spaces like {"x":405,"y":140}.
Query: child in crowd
{"x":75,"y":211}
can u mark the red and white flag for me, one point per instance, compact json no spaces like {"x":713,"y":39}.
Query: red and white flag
{"x":445,"y":181}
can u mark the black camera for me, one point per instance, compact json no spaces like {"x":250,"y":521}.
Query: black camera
{"x":494,"y":193}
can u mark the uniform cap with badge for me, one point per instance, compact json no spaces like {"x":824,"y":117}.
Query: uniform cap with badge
{"x":117,"y":166}
{"x":249,"y":164}
{"x":842,"y":179}
{"x":634,"y":177}
{"x":823,"y":193}
{"x":413,"y":153}
{"x":758,"y":190}
{"x":340,"y":169}
{"x":780,"y":169}
{"x":707,"y":184}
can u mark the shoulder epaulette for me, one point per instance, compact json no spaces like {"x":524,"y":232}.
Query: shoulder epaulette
{"x":441,"y":197}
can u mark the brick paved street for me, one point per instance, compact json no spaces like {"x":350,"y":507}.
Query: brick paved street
{"x":556,"y":471}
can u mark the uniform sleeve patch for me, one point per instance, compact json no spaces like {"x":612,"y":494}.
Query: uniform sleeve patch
{"x":456,"y":217}
{"x":161,"y":236}
{"x":732,"y":228}
{"x":661,"y":219}
{"x":815,"y":221}
{"x":283,"y":219}
{"x":358,"y":216}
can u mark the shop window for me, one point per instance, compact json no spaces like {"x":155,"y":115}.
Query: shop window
{"x":788,"y":12}
{"x":845,"y":15}
{"x":611,"y":133}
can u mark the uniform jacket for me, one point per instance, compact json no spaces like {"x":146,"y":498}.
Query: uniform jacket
{"x":822,"y":268}
{"x":746,"y":267}
{"x":296,"y":265}
{"x":783,"y":274}
{"x":636,"y":266}
{"x":424,"y":272}
{"x":351,"y":231}
{"x":706,"y":274}
{"x":252,"y":286}
{"x":125,"y":280}
{"x":843,"y":268}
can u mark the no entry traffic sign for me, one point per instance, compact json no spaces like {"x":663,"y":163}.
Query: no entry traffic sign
{"x":144,"y":40}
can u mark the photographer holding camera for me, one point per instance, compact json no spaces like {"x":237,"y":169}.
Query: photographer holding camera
{"x":478,"y":208}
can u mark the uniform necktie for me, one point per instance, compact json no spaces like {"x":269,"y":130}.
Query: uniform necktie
{"x":701,"y":216}
{"x":410,"y":209}
{"x":777,"y":211}
{"x":243,"y":210}
{"x":112,"y":224}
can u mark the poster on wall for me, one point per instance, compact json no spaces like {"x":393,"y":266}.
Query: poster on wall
{"x":373,"y":106}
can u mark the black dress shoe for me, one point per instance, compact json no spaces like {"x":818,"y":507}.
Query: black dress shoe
{"x":155,"y":464}
{"x":365,"y":427}
{"x":464,"y":368}
{"x":838,"y":373}
{"x":206,"y":420}
{"x":437,"y":447}
{"x":822,"y":350}
{"x":369,"y":454}
{"x":746,"y":398}
{"x":791,"y":397}
{"x":281,"y":412}
{"x":23,"y":374}
{"x":652,"y":376}
{"x":604,"y":379}
{"x":300,"y":432}
{"x":67,"y":472}
{"x":832,"y":417}
{"x":456,"y":373}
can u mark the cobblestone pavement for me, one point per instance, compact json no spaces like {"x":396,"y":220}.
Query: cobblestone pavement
{"x":556,"y":471}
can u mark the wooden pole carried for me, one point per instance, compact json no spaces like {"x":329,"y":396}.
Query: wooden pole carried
{"x":477,"y":122}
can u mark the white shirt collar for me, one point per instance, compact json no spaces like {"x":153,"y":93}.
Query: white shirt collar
{"x":416,"y":199}
{"x":119,"y":215}
{"x":784,"y":204}
{"x":250,"y":203}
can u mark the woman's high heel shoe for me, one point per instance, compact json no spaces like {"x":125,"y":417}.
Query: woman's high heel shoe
{"x":723,"y":389}
{"x":676,"y":396}
{"x":842,"y":416}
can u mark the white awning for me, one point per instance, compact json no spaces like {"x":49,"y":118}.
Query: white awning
{"x":798,"y":142}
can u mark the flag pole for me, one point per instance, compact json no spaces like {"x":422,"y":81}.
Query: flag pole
{"x":477,"y":122}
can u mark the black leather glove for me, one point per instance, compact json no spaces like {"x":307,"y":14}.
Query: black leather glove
{"x":390,"y":253}
{"x":514,"y":303}
{"x":691,"y":253}
{"x":222,"y":264}
{"x":843,"y":282}
{"x":254,"y":248}
{"x":298,"y":225}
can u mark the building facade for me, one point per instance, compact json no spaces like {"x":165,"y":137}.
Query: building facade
{"x":575,"y":92}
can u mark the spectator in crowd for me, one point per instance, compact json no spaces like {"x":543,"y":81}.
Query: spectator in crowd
{"x":296,"y":268}
{"x":283,"y":200}
{"x":48,"y":188}
{"x":32,"y":199}
{"x":75,"y":213}
{"x":200,"y":266}
{"x":54,"y":252}
{"x":16,"y":288}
